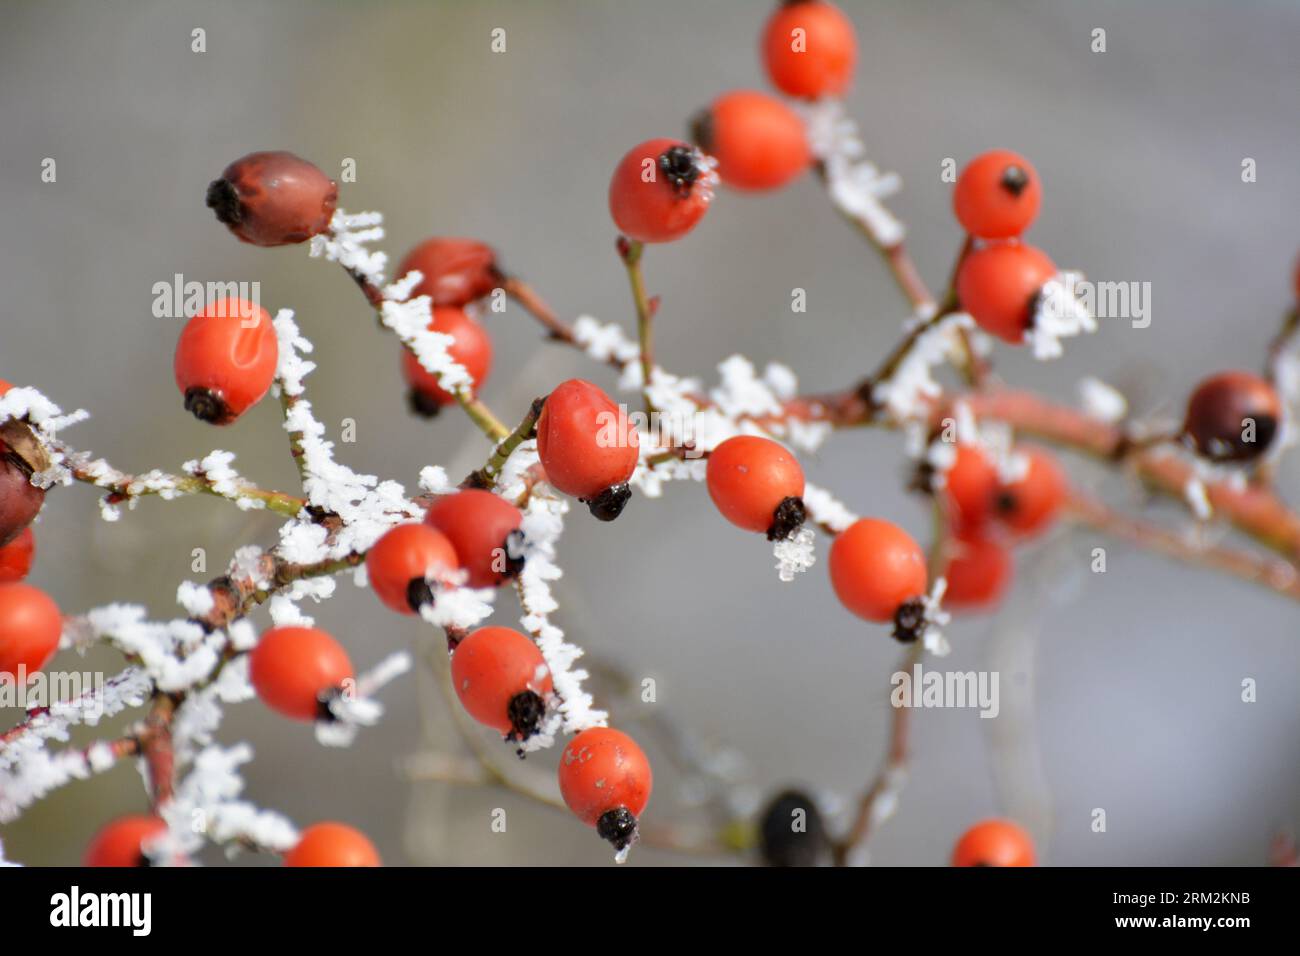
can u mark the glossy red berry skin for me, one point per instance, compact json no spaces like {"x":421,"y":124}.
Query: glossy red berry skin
{"x":16,"y":557}
{"x":876,"y":567}
{"x":502,"y":680}
{"x":660,"y":189}
{"x":273,"y":199}
{"x":749,"y":478}
{"x":400,"y":563}
{"x":997,"y":195}
{"x":120,"y":843}
{"x":1032,"y":503}
{"x":603,"y":770}
{"x":478,"y":524}
{"x":294,"y":669}
{"x":455,"y":272}
{"x":588,"y":447}
{"x":332,"y":844}
{"x":810,"y":49}
{"x":978,"y":573}
{"x":994,"y":843}
{"x":758,"y":141}
{"x":998,"y":285}
{"x":20,"y":500}
{"x":1233,"y":417}
{"x":970,"y":487}
{"x":471,"y":347}
{"x":30,"y":626}
{"x":225,"y":360}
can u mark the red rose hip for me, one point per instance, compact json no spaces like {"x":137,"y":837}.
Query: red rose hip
{"x":978,"y":572}
{"x":502,"y":680}
{"x":878,"y":572}
{"x":401,"y":563}
{"x":121,"y":843}
{"x":296,"y":669}
{"x":810,"y":49}
{"x":757,"y":485}
{"x":471,"y":347}
{"x":605,"y":780}
{"x":999,"y":286}
{"x":1031,"y":503}
{"x":588,"y":447}
{"x":332,"y":844}
{"x":758,"y":141}
{"x":16,"y":557}
{"x":997,"y":195}
{"x":30,"y":626}
{"x":994,"y":843}
{"x":225,"y":360}
{"x":273,"y":199}
{"x":454,"y":271}
{"x":660,"y":190}
{"x":484,"y":530}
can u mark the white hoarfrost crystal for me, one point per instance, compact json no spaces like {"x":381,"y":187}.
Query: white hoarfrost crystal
{"x":825,"y":509}
{"x":356,"y":707}
{"x":794,"y":554}
{"x":856,"y":185}
{"x":1059,"y":314}
{"x":909,"y":391}
{"x":543,"y":522}
{"x":1101,"y":401}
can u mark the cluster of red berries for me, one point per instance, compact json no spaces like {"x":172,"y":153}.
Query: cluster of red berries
{"x":998,"y":282}
{"x":661,"y":188}
{"x":987,"y":513}
{"x":455,"y":273}
{"x":122,"y":843}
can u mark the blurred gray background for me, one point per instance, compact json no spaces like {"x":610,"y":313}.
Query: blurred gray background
{"x":1133,"y":701}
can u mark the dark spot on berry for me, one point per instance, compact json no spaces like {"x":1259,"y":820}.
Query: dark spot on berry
{"x":617,"y":827}
{"x":223,"y":199}
{"x":782,"y":842}
{"x":513,"y":550}
{"x":421,"y":404}
{"x":526,"y":710}
{"x":909,"y":620}
{"x":1005,"y":503}
{"x":679,"y":166}
{"x":787,"y":519}
{"x":419,"y":593}
{"x":609,"y":504}
{"x":1015,"y":179}
{"x":206,"y":405}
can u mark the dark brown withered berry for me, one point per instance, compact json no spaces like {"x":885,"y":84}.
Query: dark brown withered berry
{"x":1232,"y":417}
{"x":273,"y":199}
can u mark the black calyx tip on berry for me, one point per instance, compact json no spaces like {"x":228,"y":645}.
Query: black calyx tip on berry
{"x":206,"y":405}
{"x":513,"y":550}
{"x":324,"y":713}
{"x":1005,"y":503}
{"x":419,"y":593}
{"x":792,"y":831}
{"x":617,"y":827}
{"x":422,"y":404}
{"x":680,"y":167}
{"x":701,"y":129}
{"x":525,"y":710}
{"x":223,"y":199}
{"x":787,"y":519}
{"x":609,"y":504}
{"x":1015,"y":179}
{"x":909,"y":620}
{"x":1226,"y":442}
